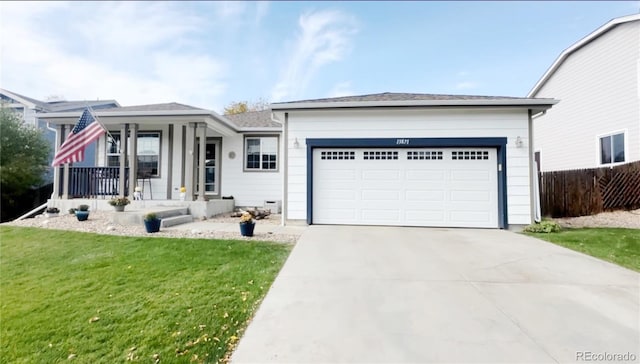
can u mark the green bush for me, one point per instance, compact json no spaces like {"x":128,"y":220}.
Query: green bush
{"x":544,"y":226}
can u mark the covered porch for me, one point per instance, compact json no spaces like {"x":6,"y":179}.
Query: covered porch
{"x":163,"y":149}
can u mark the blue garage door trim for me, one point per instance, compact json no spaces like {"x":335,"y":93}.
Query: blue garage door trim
{"x":498,"y":143}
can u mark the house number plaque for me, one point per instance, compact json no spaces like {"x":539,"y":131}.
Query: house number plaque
{"x":402,"y":141}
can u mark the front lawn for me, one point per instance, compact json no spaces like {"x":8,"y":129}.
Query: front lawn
{"x":110,"y":299}
{"x":619,"y":246}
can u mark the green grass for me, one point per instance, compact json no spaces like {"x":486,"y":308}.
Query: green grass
{"x":111,"y":299}
{"x":619,"y":246}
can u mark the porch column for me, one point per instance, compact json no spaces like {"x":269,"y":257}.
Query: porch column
{"x":133,"y":159}
{"x":189,"y":162}
{"x":56,"y":170}
{"x":202,"y":131}
{"x":122,"y":180}
{"x":65,"y":168}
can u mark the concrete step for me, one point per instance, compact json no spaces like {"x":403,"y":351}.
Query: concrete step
{"x":167,"y":213}
{"x":136,"y":217}
{"x":175,"y":220}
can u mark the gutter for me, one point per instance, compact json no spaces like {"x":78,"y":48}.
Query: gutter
{"x":542,"y":103}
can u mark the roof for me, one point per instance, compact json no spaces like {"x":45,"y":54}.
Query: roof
{"x":576,"y":46}
{"x":389,"y":99}
{"x":253,"y":119}
{"x":394,"y":96}
{"x":56,"y":106}
{"x":173,"y":106}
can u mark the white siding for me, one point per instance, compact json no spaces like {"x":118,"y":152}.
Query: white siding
{"x":411,"y":123}
{"x":598,"y":91}
{"x":248,"y":188}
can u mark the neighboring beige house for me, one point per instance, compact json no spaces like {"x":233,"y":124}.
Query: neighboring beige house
{"x":597,"y":81}
{"x":28,"y":109}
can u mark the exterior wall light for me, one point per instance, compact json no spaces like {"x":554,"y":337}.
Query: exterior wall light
{"x":519,"y":142}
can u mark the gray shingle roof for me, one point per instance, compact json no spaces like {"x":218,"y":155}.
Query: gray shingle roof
{"x":395,"y":96}
{"x":80,"y":105}
{"x":57,"y":106}
{"x":173,"y":106}
{"x":253,"y":119}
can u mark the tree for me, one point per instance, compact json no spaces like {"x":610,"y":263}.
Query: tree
{"x":24,"y":153}
{"x":239,"y":107}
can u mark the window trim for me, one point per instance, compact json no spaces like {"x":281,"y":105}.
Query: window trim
{"x":599,"y":149}
{"x":245,"y":154}
{"x":117,"y":132}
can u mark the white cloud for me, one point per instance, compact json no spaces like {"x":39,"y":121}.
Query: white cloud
{"x":134,"y":52}
{"x":324,"y":37}
{"x":466,"y":85}
{"x":341,"y":89}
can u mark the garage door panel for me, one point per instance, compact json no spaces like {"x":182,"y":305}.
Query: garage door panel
{"x":470,"y":216}
{"x":425,"y":218}
{"x":380,"y":195}
{"x":425,"y":175}
{"x":330,"y":214}
{"x":340,"y":174}
{"x":333,"y":195}
{"x":470,"y":196}
{"x":424,"y":195}
{"x":445,"y":187}
{"x":381,"y":175}
{"x":470,"y":175}
{"x":381,"y":215}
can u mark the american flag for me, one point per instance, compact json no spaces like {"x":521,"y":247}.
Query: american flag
{"x":84,"y":133}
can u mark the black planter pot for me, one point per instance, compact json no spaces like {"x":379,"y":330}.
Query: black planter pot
{"x":152,"y":226}
{"x":82,"y":215}
{"x":247,"y":229}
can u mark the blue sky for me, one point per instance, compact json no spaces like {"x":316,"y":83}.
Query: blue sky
{"x":209,"y":54}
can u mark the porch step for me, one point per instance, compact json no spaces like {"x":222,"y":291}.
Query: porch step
{"x":175,"y":220}
{"x":169,"y":216}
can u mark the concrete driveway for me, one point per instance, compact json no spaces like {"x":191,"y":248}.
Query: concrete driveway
{"x":387,"y":294}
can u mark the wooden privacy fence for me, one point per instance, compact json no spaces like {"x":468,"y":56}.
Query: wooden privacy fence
{"x":583,"y":192}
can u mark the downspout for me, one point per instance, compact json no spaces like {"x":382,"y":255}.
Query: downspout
{"x":535,"y":179}
{"x":283,"y":165}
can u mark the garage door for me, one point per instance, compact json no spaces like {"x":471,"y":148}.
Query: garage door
{"x":447,"y":187}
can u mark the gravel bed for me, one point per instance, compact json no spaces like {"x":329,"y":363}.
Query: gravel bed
{"x":620,"y":219}
{"x":100,"y":222}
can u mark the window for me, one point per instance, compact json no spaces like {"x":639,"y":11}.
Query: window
{"x":338,"y":155}
{"x":424,"y":155}
{"x":261,"y":153}
{"x":470,"y":155}
{"x":612,"y":149}
{"x":148,"y":152}
{"x":380,"y":155}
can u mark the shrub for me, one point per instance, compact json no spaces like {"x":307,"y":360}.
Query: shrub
{"x":52,"y":210}
{"x":119,"y":201}
{"x":150,"y":216}
{"x":72,"y":210}
{"x":545,"y":226}
{"x":83,"y":208}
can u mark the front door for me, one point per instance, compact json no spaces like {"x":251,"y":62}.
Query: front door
{"x":211,"y":172}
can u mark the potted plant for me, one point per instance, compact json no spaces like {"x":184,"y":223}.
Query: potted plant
{"x":119,"y":203}
{"x":246,"y":224}
{"x":82,"y":213}
{"x":152,"y":222}
{"x":52,"y":212}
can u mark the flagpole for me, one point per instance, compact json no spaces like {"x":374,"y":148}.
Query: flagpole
{"x":98,"y":120}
